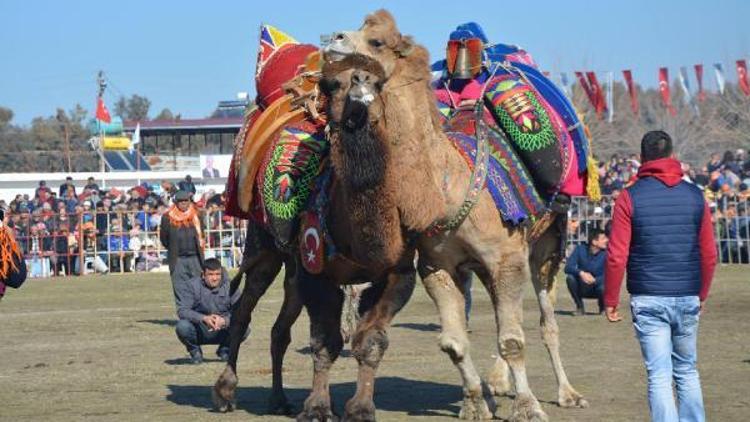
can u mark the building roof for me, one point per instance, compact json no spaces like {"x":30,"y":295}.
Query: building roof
{"x":187,"y":124}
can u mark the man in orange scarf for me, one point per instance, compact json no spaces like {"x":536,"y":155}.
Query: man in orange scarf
{"x":182,"y":236}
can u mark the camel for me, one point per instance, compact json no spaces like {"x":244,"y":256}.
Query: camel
{"x":384,"y":93}
{"x":262,"y":262}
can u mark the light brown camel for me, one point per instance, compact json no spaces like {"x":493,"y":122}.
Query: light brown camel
{"x":403,"y":115}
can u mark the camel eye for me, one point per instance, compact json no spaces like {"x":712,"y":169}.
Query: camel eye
{"x":375,"y":43}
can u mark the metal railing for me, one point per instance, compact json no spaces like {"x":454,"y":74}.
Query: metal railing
{"x":730,"y":217}
{"x":121,"y":242}
{"x":114,"y":242}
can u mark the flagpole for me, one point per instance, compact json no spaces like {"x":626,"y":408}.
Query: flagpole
{"x":102,"y":85}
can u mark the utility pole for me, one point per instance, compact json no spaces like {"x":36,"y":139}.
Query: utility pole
{"x":102,"y":86}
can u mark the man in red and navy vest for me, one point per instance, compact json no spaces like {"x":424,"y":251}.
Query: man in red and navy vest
{"x":662,"y":234}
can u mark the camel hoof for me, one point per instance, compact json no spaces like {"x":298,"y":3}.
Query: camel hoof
{"x":222,"y":404}
{"x":526,"y":408}
{"x":475,"y":408}
{"x":571,"y":398}
{"x":317,"y":410}
{"x":314,"y":416}
{"x":359,"y":411}
{"x":222,"y":394}
{"x":279,"y":405}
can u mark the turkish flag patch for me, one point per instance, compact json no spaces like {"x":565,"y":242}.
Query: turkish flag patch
{"x":311,"y":246}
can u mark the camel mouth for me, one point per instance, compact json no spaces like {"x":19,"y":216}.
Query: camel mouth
{"x":338,"y":47}
{"x":354,"y":116}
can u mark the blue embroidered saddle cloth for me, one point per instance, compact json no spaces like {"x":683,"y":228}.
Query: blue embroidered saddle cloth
{"x":508,"y":180}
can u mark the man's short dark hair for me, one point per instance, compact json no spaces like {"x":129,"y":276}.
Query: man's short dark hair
{"x":211,"y":264}
{"x":594,"y":234}
{"x":656,"y":144}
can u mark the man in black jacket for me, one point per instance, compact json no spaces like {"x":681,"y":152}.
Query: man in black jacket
{"x":181,"y":234}
{"x":204,"y":308}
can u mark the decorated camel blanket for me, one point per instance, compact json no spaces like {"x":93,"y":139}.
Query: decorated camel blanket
{"x":292,"y":164}
{"x":508,"y":181}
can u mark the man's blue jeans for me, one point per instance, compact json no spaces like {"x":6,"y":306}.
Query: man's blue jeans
{"x":667,"y":328}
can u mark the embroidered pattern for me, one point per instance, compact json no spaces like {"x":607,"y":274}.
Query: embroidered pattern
{"x":291,"y":169}
{"x":520,"y":114}
{"x":508,"y":181}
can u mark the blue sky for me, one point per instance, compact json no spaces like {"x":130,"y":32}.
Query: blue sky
{"x":190,"y":54}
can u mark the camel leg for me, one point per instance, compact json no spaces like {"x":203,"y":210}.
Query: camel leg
{"x":260,"y":274}
{"x":323,"y":301}
{"x":498,"y":379}
{"x":543,"y":279}
{"x":380,"y":303}
{"x":506,"y":290}
{"x":280,"y":339}
{"x":454,"y":341}
{"x":545,"y":259}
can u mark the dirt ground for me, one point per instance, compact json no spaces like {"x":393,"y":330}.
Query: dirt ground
{"x":103,"y":348}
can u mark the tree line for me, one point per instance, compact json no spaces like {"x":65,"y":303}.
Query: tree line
{"x":721,"y":122}
{"x":40,"y":146}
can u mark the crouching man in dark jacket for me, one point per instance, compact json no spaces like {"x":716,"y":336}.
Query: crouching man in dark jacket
{"x":585,"y":271}
{"x":204,"y":307}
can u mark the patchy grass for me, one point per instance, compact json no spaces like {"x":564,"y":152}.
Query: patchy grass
{"x":103,"y":348}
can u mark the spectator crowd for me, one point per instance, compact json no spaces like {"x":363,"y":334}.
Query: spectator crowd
{"x":724,"y":179}
{"x":117,"y":230}
{"x":110,"y":229}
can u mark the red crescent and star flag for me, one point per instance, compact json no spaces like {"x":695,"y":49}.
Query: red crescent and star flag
{"x":102,"y":113}
{"x":666,"y":97}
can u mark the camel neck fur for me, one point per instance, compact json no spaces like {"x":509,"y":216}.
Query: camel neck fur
{"x":366,"y":188}
{"x":420,"y":152}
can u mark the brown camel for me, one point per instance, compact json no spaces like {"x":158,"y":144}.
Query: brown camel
{"x":392,"y":84}
{"x":262,"y":262}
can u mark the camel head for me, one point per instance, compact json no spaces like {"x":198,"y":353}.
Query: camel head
{"x":378,"y":39}
{"x":353,"y":85}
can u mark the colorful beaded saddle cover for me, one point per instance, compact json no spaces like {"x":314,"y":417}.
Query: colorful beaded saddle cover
{"x":292,"y":163}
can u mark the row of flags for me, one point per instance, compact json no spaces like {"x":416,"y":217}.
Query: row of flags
{"x":601,"y":99}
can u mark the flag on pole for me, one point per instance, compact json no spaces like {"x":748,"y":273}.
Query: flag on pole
{"x":685,"y":84}
{"x":628,"y":75}
{"x":586,"y":88}
{"x":666,"y":98}
{"x":720,"y":80}
{"x":136,"y":139}
{"x":742,"y":80}
{"x":102,"y":113}
{"x":699,"y":78}
{"x":610,"y":97}
{"x":596,"y":91}
{"x":565,"y":83}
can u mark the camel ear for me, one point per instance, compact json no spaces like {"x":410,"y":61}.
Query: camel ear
{"x":405,"y":46}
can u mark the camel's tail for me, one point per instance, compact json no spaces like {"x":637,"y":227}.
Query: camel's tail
{"x":235,"y":283}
